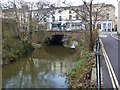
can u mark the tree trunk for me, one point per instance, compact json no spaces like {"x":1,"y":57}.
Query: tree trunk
{"x":30,"y":28}
{"x":91,"y":41}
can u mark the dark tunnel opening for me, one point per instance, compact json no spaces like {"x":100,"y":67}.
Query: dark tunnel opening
{"x":55,"y":40}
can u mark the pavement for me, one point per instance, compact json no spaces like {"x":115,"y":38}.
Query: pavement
{"x":110,"y":60}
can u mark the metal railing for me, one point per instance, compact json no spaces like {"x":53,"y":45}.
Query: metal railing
{"x":98,"y":72}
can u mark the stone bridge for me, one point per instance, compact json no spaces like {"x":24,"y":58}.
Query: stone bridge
{"x":65,"y":33}
{"x":58,"y":37}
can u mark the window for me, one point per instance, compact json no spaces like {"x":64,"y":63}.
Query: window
{"x":70,"y":17}
{"x":45,"y":20}
{"x":104,"y":25}
{"x":107,"y":16}
{"x":73,"y":24}
{"x":53,"y":18}
{"x":107,"y":8}
{"x":59,"y":11}
{"x":70,"y":12}
{"x":65,"y":8}
{"x":60,"y":18}
{"x":76,"y":25}
{"x":109,"y":25}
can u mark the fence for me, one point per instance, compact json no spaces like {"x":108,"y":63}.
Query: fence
{"x":98,"y":72}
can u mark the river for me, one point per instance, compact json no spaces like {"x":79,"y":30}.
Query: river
{"x":46,"y":67}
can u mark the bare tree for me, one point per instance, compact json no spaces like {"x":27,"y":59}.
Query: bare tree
{"x":11,"y":10}
{"x":41,"y":13}
{"x":90,"y":13}
{"x":27,"y":16}
{"x":95,"y":13}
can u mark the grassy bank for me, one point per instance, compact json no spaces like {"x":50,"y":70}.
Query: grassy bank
{"x":80,"y":75}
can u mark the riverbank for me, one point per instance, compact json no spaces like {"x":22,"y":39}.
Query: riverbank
{"x":17,"y":42}
{"x":80,"y":75}
{"x":14,"y":49}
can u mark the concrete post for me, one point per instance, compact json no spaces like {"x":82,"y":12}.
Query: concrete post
{"x":118,"y":24}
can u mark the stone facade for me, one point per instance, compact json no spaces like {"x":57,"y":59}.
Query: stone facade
{"x":118,"y":24}
{"x":105,"y":19}
{"x":60,"y":18}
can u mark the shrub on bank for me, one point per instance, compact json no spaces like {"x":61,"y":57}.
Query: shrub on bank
{"x":13,"y":46}
{"x":14,"y":49}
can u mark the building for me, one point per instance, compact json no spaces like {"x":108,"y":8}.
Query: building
{"x":67,"y":18}
{"x":107,"y":20}
{"x":105,"y":25}
{"x":72,"y":20}
{"x":20,"y":15}
{"x":118,"y":24}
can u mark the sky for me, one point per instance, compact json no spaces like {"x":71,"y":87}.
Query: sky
{"x":78,"y":2}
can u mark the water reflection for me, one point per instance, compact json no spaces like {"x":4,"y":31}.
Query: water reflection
{"x":40,"y":70}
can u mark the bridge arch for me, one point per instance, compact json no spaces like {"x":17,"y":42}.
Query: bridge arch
{"x":60,"y":36}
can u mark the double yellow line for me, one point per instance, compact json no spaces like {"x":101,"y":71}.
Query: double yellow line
{"x":110,"y":69}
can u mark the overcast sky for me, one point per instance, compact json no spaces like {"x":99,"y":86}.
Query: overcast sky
{"x":77,"y":2}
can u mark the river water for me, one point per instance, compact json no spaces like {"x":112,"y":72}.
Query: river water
{"x":44,"y":68}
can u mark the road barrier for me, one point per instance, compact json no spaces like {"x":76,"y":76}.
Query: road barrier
{"x":98,"y":72}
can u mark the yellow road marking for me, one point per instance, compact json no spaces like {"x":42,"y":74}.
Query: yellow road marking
{"x":110,"y":69}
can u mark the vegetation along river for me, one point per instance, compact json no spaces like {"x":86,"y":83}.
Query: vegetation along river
{"x":46,"y":67}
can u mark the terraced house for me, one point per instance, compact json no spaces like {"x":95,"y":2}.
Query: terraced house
{"x":77,"y":17}
{"x":70,"y":17}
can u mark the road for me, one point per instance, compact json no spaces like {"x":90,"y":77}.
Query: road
{"x":112,"y":50}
